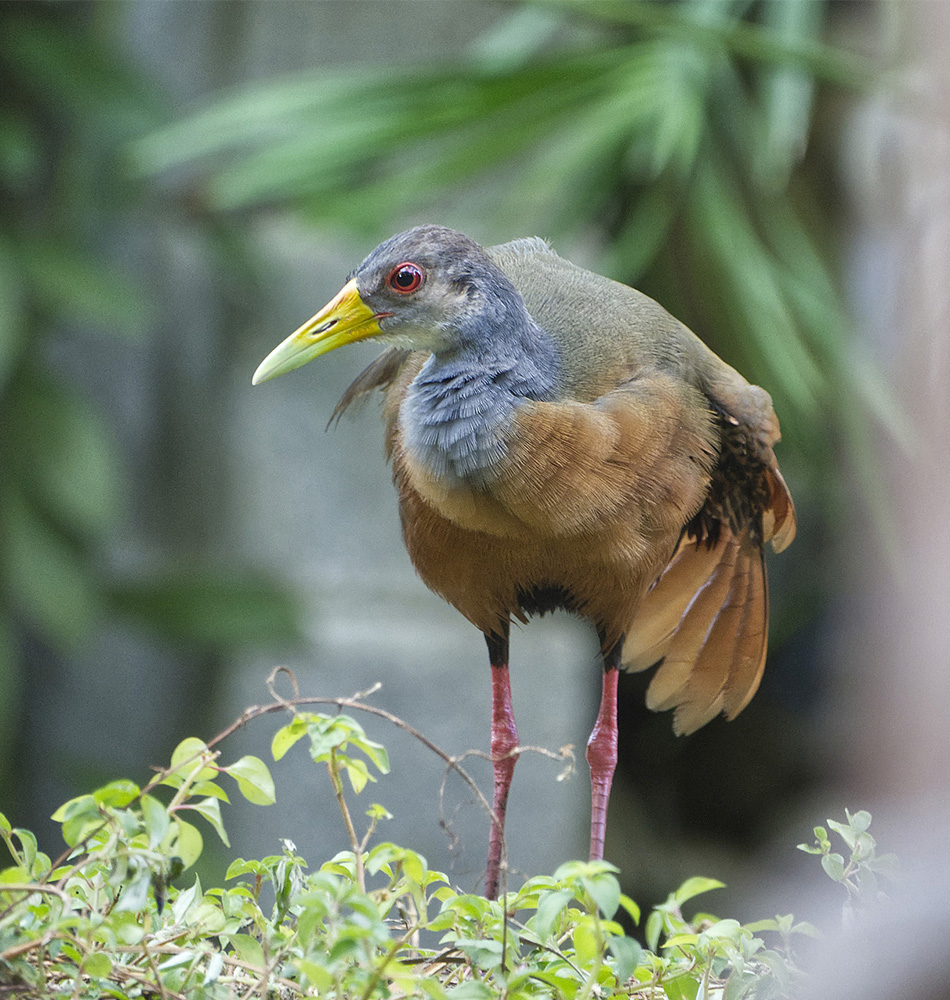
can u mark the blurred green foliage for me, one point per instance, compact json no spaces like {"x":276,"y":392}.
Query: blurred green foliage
{"x":69,"y":107}
{"x":374,"y":921}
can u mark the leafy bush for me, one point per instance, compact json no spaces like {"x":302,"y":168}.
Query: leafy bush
{"x":104,"y":920}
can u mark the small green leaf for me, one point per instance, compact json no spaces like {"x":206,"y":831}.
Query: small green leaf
{"x":631,"y":907}
{"x":241,"y":867}
{"x":156,"y":820}
{"x":210,"y":788}
{"x":605,"y":891}
{"x":694,"y":887}
{"x":550,"y":906}
{"x":189,"y":843}
{"x":254,"y":780}
{"x":681,"y":987}
{"x":14,"y":874}
{"x":834,"y":866}
{"x":189,"y":754}
{"x":357,"y":771}
{"x":210,"y":808}
{"x":586,"y":944}
{"x":471,"y":989}
{"x":653,"y":929}
{"x":116,"y":793}
{"x":848,"y":835}
{"x":626,"y":952}
{"x":97,"y":964}
{"x":248,"y":949}
{"x":318,"y":975}
{"x":860,"y":821}
{"x":287,"y":736}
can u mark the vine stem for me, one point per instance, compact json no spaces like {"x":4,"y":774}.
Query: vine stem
{"x":337,"y":781}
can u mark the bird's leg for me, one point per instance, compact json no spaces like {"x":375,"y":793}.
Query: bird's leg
{"x":602,"y":752}
{"x":504,"y":744}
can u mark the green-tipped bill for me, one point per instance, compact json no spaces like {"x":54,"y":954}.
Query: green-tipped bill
{"x":343,"y":320}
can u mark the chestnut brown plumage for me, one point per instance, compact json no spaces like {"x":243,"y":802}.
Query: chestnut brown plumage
{"x":558,"y":440}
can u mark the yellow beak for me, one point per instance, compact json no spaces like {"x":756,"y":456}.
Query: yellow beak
{"x":343,"y":320}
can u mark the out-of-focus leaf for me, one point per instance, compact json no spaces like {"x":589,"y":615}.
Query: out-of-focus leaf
{"x":19,"y":155}
{"x":745,"y":278}
{"x":67,"y":283}
{"x":739,"y":37}
{"x":45,"y":57}
{"x":44,"y":575}
{"x":215,"y":610}
{"x":787,"y":91}
{"x":13,"y":329}
{"x":10,"y":686}
{"x":62,"y":451}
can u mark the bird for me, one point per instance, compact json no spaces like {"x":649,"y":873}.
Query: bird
{"x":558,"y":440}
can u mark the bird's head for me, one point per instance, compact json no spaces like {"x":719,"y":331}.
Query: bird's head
{"x":429,"y":289}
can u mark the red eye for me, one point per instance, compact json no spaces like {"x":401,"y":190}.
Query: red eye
{"x":406,"y":278}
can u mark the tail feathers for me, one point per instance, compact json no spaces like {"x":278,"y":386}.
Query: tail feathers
{"x":705,"y":623}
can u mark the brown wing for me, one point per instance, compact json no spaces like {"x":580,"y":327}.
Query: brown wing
{"x":705,"y":621}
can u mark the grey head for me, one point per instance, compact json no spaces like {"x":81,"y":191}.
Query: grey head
{"x":437,"y":290}
{"x":434,"y":289}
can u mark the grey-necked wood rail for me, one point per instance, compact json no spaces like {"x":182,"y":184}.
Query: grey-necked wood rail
{"x":559,"y":440}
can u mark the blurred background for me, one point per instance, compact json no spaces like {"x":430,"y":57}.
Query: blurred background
{"x":183,"y":184}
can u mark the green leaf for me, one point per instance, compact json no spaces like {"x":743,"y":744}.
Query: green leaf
{"x":694,"y":887}
{"x":157,"y":821}
{"x":550,"y":906}
{"x":605,"y":891}
{"x":847,"y":834}
{"x":187,"y":756}
{"x":241,"y":867}
{"x":13,"y":319}
{"x":318,"y":975}
{"x":471,"y":989}
{"x":681,"y":987}
{"x":287,"y":736}
{"x":117,"y":793}
{"x":248,"y":949}
{"x":189,"y":843}
{"x":46,"y":576}
{"x":64,"y":455}
{"x":210,"y":788}
{"x":586,"y":940}
{"x":97,"y":964}
{"x":15,"y":874}
{"x":626,"y":952}
{"x":357,"y":771}
{"x":653,"y":929}
{"x":631,"y":907}
{"x":210,"y":808}
{"x":254,"y":780}
{"x":834,"y":866}
{"x":134,"y":897}
{"x":80,"y":817}
{"x":68,"y":282}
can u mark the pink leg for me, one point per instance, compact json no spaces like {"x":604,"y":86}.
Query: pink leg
{"x":602,"y":755}
{"x":504,"y":743}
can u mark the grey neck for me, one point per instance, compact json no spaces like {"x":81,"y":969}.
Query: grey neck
{"x":458,"y":410}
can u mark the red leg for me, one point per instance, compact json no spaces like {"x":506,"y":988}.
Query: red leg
{"x":504,"y":743}
{"x":602,"y":754}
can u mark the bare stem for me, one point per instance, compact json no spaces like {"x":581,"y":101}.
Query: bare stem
{"x":337,"y":780}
